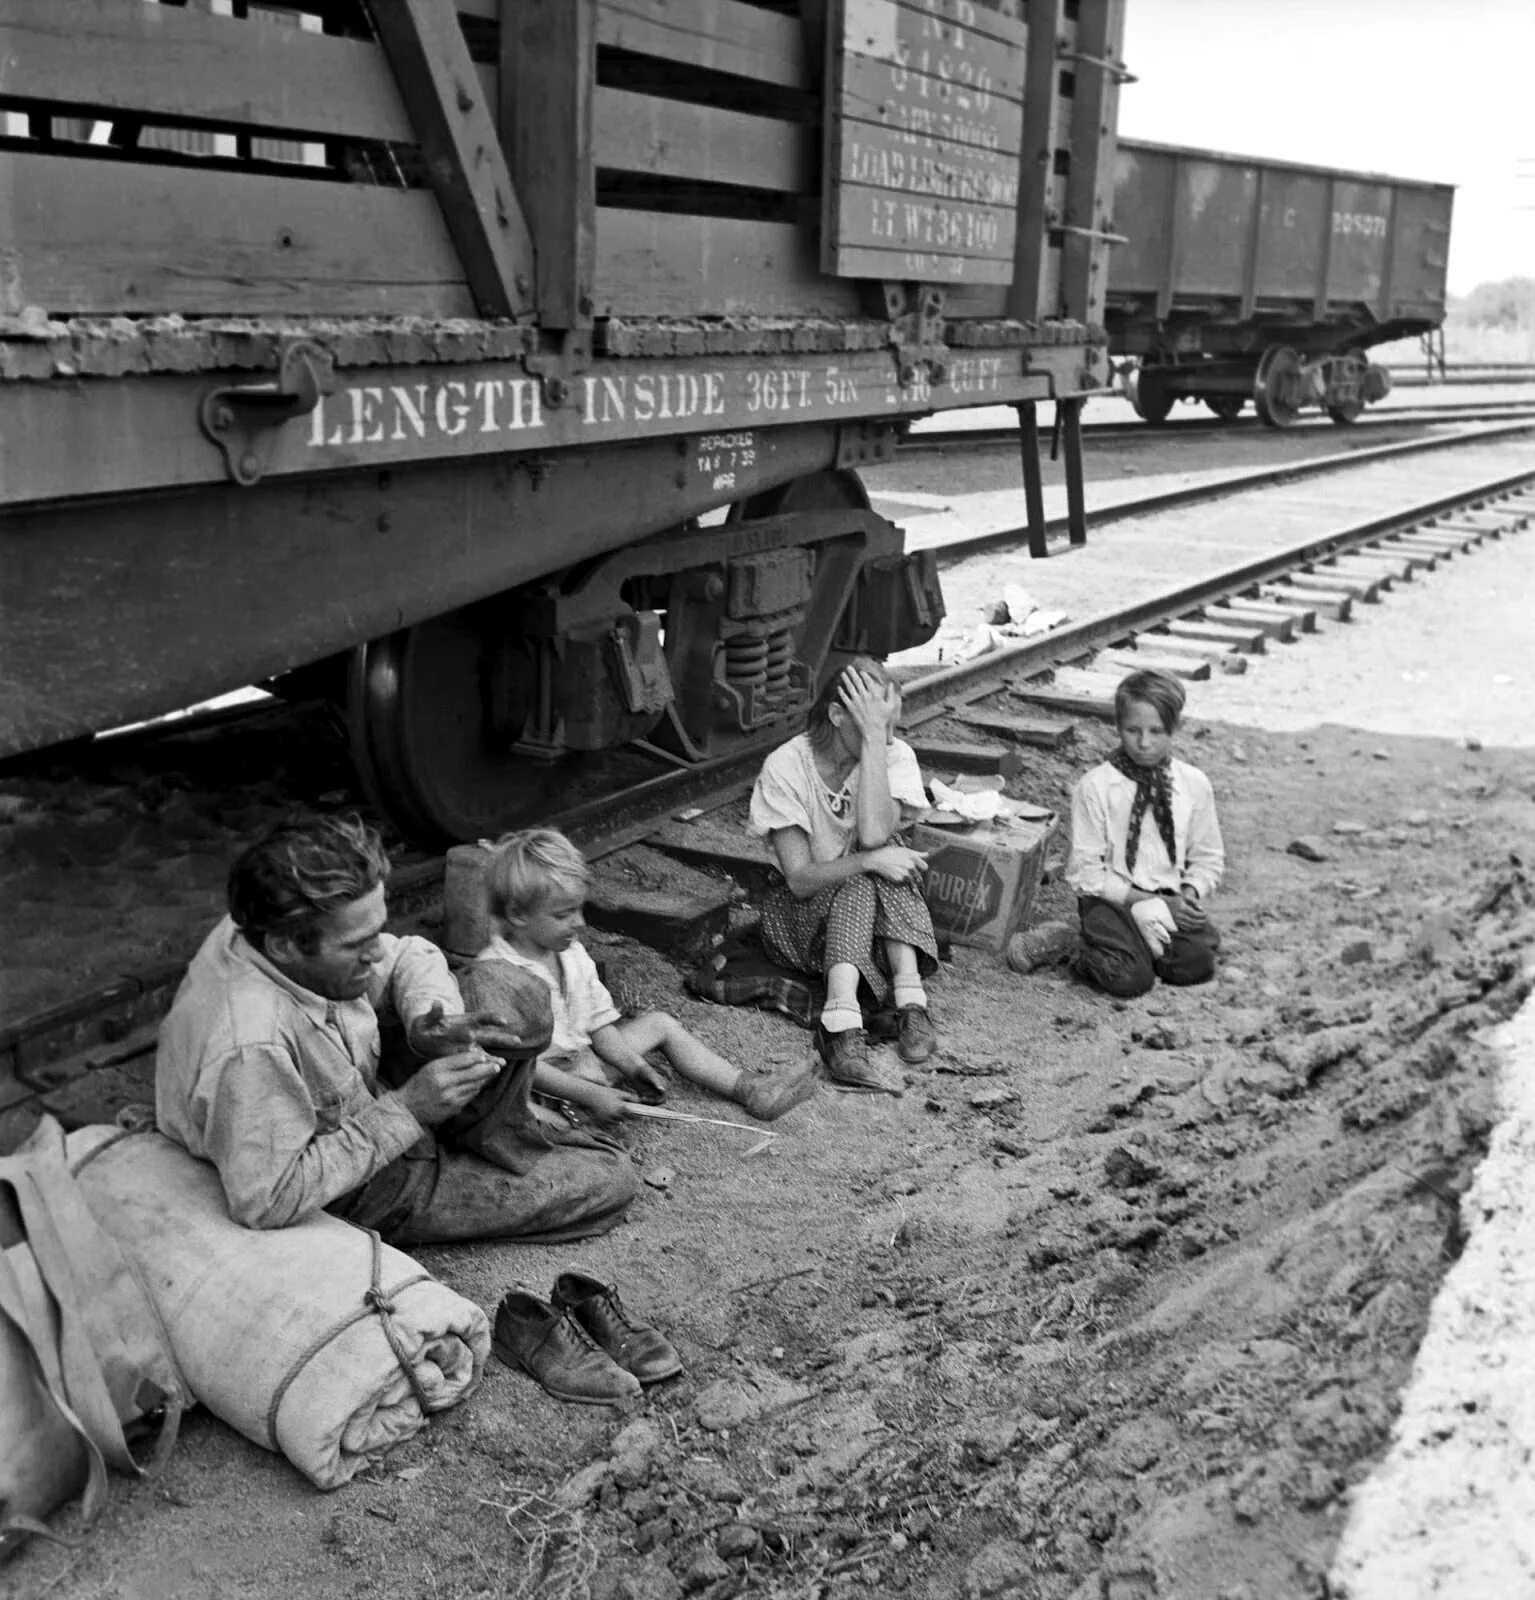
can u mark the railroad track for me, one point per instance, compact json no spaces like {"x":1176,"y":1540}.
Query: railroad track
{"x":932,"y":438}
{"x":1217,"y":621}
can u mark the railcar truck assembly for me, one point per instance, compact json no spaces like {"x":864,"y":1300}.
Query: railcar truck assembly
{"x":502,"y":367}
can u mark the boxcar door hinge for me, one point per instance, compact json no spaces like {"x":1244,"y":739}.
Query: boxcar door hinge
{"x":243,"y":419}
{"x":563,"y":357}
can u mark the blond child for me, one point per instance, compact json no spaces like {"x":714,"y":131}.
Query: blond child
{"x":538,"y":884}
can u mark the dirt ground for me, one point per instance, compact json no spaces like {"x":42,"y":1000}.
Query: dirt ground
{"x":1115,"y":1302}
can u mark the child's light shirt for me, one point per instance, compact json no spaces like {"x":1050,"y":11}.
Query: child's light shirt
{"x":1100,"y":826}
{"x":578,"y":997}
{"x":790,"y":793}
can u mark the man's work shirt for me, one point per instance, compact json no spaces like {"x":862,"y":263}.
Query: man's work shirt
{"x":277,"y":1086}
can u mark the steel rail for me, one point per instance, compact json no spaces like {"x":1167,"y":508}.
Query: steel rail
{"x":914,"y":443}
{"x":1257,"y":478}
{"x":107,"y":1017}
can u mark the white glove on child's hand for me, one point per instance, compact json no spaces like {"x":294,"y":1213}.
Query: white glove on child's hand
{"x":1154,"y":918}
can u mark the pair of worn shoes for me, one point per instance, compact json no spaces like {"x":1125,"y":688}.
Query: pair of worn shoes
{"x":584,"y":1346}
{"x":846,"y":1054}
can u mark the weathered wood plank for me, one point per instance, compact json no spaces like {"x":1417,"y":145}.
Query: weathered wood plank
{"x":719,"y":35}
{"x":657,"y":264}
{"x":923,"y":120}
{"x":865,"y":93}
{"x":1194,"y":668}
{"x":879,"y":219}
{"x":106,"y":236}
{"x":1251,"y":640}
{"x":970,"y":53}
{"x":1043,"y":732}
{"x":456,"y":130}
{"x":169,"y":62}
{"x":548,"y":71}
{"x":675,"y":139}
{"x":1027,"y":298}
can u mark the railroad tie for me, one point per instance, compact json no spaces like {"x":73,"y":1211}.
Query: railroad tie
{"x":1416,"y":559}
{"x":1325,"y":581}
{"x":1276,"y":622}
{"x":1083,"y":694}
{"x":1303,"y":616}
{"x":1325,"y":602}
{"x":1353,"y":571}
{"x":1046,"y":733}
{"x":1195,"y":668}
{"x":1439,"y":549}
{"x":1472,"y":532}
{"x":1252,"y":640}
{"x":1399,"y":569}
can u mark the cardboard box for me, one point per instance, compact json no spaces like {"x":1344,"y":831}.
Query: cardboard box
{"x":981,"y":880}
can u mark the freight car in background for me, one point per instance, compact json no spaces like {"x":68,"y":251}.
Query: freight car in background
{"x":404,"y":345}
{"x":1241,"y":279}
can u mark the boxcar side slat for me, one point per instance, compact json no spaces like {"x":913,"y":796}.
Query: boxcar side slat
{"x":88,"y":236}
{"x":720,"y":35}
{"x":676,"y":139}
{"x":658,"y":264}
{"x":545,"y":111}
{"x":173,"y":62}
{"x":462,"y":149}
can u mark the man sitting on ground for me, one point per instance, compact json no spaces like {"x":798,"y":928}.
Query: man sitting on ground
{"x":269,"y":1067}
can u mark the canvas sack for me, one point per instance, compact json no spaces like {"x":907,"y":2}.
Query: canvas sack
{"x":84,"y":1361}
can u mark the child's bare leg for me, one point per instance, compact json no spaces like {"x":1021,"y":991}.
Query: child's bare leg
{"x":765,"y":1095}
{"x":689,"y":1055}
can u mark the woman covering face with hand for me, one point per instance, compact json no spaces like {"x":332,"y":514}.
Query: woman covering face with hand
{"x":832,"y":802}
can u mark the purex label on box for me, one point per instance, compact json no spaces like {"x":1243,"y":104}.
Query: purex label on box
{"x":963,"y":888}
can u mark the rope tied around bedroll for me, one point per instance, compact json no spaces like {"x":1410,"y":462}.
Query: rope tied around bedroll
{"x":375,"y":1302}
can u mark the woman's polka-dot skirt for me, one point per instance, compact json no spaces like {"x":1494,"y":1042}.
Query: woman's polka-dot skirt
{"x":850,"y":922}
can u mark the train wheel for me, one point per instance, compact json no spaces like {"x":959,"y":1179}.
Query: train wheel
{"x":1228,"y":407}
{"x":1345,"y":414}
{"x":421,"y":738}
{"x":831,"y":490}
{"x":1276,"y":388}
{"x":1149,"y":396}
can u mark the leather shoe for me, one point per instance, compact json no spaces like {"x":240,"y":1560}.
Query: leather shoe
{"x":767,"y":1095}
{"x":644,"y":1352}
{"x":846,"y":1055}
{"x":918,"y":1038}
{"x":548,"y":1342}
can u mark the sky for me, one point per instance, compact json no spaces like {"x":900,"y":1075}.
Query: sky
{"x":1435,"y":89}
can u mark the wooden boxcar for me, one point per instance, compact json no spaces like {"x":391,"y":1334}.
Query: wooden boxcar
{"x":402,"y":345}
{"x":1244,"y":279}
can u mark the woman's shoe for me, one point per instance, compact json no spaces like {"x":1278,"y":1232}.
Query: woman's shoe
{"x":846,"y":1055}
{"x":918,"y":1038}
